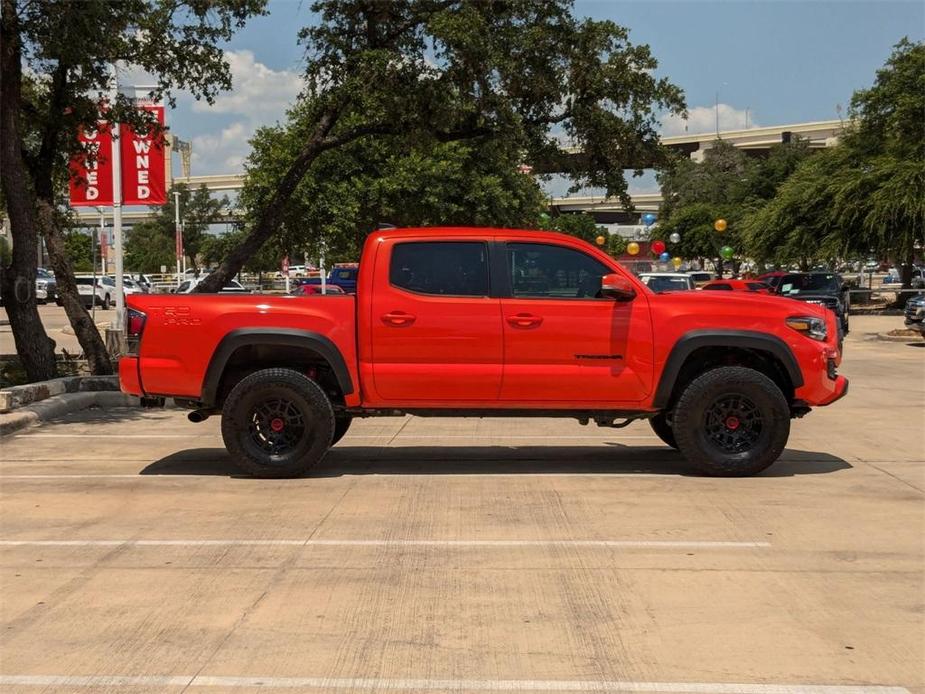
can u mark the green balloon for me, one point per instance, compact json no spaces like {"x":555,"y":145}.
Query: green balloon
{"x":727,"y":252}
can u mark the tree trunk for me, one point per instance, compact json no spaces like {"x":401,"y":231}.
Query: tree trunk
{"x":87,"y":335}
{"x":35,"y":349}
{"x":268,"y":218}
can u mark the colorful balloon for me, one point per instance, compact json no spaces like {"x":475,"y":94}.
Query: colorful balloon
{"x":600,"y":240}
{"x":632,"y":248}
{"x":658,"y":247}
{"x":675,"y":237}
{"x":664,"y":257}
{"x":720,"y":225}
{"x":676,"y":261}
{"x":648,"y":219}
{"x":727,"y":252}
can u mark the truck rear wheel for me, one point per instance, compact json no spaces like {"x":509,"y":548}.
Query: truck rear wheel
{"x":277,"y":423}
{"x":731,"y":422}
{"x":662,"y":429}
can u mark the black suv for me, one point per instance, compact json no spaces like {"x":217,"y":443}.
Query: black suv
{"x":823,"y":288}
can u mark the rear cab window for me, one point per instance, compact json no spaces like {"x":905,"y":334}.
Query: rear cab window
{"x":441,"y":268}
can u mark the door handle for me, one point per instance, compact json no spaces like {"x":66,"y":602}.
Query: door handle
{"x":398,"y":319}
{"x":524,"y":320}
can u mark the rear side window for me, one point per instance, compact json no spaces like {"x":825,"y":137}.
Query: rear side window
{"x":443,"y":268}
{"x":757,"y":286}
{"x":718,"y":287}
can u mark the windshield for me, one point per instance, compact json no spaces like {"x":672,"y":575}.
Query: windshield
{"x":802,"y":284}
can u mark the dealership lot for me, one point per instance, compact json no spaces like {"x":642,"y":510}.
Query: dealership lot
{"x":471,"y":555}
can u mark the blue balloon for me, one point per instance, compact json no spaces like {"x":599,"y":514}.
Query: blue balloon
{"x":665,"y":257}
{"x":648,"y":219}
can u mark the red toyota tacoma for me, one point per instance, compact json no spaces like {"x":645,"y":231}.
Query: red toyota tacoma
{"x":460,"y":322}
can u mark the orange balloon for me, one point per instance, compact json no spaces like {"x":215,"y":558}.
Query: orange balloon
{"x":632,"y":248}
{"x":600,"y":240}
{"x":720,"y":225}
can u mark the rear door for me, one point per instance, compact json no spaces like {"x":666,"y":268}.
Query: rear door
{"x":435,"y":329}
{"x":563,"y":342}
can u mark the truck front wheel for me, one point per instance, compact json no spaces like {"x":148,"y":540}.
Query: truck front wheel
{"x":731,"y":422}
{"x":277,"y":423}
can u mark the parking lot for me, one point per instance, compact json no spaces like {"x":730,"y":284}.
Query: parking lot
{"x":472,"y":555}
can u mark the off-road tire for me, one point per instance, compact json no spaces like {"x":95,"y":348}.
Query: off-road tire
{"x":766,"y":418}
{"x":249,"y":425}
{"x":662,"y":429}
{"x":341,"y":425}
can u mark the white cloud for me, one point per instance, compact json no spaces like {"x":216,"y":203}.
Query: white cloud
{"x":702,"y":119}
{"x":259,"y":96}
{"x":256,"y":90}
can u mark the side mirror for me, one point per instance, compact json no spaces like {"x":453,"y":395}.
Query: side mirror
{"x":617,"y":287}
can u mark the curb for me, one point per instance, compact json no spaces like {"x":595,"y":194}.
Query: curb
{"x":60,"y":405}
{"x":16,"y":397}
{"x":898,"y":338}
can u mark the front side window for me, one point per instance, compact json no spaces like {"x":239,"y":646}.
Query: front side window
{"x":553,"y":272}
{"x":443,"y":268}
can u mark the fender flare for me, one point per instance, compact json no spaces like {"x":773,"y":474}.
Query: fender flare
{"x":280,"y":337}
{"x":743,"y":339}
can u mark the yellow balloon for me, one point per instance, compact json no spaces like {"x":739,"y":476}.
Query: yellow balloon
{"x":632,"y":248}
{"x":600,"y":240}
{"x":676,"y":262}
{"x":720,"y":225}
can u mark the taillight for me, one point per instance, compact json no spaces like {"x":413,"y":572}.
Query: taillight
{"x":134,"y":325}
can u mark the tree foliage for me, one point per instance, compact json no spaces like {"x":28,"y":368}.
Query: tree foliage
{"x":524,"y":74}
{"x":54,"y":71}
{"x":866,"y":195}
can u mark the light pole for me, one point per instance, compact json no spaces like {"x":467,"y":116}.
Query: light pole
{"x":179,"y":232}
{"x":117,"y":212}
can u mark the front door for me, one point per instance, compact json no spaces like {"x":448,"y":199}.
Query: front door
{"x":436,"y":332}
{"x":563,"y":342}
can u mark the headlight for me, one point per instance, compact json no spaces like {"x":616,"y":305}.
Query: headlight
{"x":810,"y":326}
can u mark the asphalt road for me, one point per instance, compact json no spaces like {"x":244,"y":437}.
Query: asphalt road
{"x":471,"y":555}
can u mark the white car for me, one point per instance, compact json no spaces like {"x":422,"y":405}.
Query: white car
{"x":101,"y":293}
{"x":667,"y":281}
{"x":130,"y":286}
{"x":233,"y":287}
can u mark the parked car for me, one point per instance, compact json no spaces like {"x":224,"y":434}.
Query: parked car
{"x":456,"y":322}
{"x":345,"y":278}
{"x":95,"y":291}
{"x":130,"y":286}
{"x":738,"y":286}
{"x":232,"y":287}
{"x":312,"y":285}
{"x":667,"y":281}
{"x":700,"y":277}
{"x":821,"y":288}
{"x":46,"y":287}
{"x":915,"y":314}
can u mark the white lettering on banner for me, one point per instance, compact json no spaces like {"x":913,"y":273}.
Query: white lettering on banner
{"x":142,"y":162}
{"x":142,"y":146}
{"x":91,"y":177}
{"x":92,"y":193}
{"x":143,"y":176}
{"x":143,"y":192}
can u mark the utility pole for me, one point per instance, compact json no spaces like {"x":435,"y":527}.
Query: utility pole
{"x":117,"y":209}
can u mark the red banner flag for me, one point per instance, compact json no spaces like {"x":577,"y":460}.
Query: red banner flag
{"x":91,"y":172}
{"x":143,"y":162}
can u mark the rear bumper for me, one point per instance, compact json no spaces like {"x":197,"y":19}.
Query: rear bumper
{"x":129,"y":377}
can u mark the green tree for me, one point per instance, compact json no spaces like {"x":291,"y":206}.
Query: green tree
{"x":54,"y":67}
{"x":352,"y":190}
{"x":78,"y":245}
{"x":866,"y":193}
{"x":426,"y":72}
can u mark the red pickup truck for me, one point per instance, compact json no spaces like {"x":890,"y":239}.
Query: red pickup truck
{"x":466,"y":322}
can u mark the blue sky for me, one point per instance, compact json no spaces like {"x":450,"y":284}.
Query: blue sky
{"x":785,"y":61}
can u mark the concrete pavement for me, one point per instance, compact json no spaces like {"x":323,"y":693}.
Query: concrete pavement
{"x":471,"y":555}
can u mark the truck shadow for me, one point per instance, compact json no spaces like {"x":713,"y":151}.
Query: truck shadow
{"x":608,"y":459}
